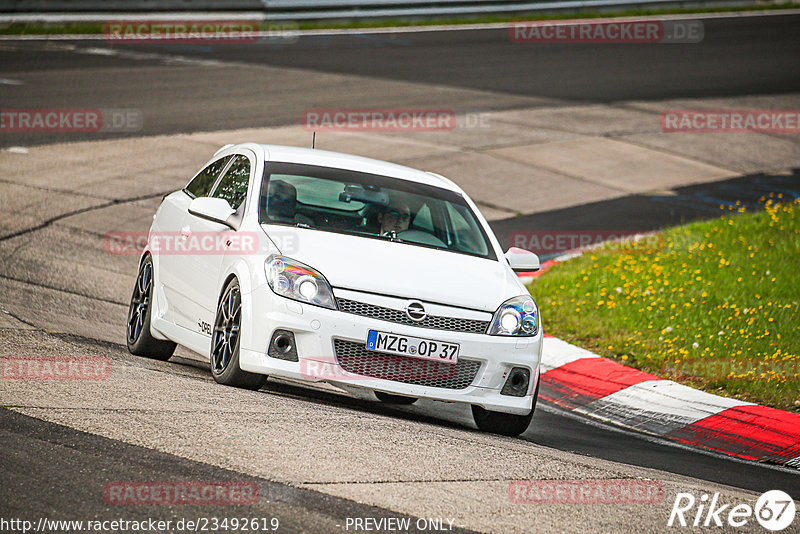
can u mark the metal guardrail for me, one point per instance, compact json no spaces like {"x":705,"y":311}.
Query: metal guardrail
{"x":315,"y":9}
{"x":121,"y":6}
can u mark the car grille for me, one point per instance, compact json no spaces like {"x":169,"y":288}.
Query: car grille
{"x":355,"y":358}
{"x":452,"y":324}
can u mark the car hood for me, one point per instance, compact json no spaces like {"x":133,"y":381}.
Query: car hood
{"x":400,"y":269}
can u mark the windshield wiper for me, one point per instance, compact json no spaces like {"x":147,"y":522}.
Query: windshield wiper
{"x":389,"y":236}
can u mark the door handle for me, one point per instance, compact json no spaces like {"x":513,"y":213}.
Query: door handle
{"x":185,"y":232}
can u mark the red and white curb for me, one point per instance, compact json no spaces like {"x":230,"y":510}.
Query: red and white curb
{"x":597,"y":387}
{"x":585,"y":383}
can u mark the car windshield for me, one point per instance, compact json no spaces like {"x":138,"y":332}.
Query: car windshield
{"x":369,"y":205}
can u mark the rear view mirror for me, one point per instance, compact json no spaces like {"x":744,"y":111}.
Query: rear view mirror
{"x":522,"y":260}
{"x":212,"y":209}
{"x":372,"y":196}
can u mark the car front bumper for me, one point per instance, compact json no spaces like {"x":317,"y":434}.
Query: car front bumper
{"x":330,"y":348}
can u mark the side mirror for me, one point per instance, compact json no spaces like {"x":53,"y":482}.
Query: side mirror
{"x":522,"y":260}
{"x":213,"y":209}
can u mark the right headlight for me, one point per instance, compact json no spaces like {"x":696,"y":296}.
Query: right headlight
{"x":518,"y":316}
{"x":291,"y":279}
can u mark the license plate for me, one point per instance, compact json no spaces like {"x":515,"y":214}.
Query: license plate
{"x":414,"y":347}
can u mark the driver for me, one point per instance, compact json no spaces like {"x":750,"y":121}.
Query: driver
{"x":395,"y":218}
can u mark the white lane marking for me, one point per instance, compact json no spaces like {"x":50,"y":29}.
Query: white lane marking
{"x":17,"y":150}
{"x":50,"y":45}
{"x":167,"y":59}
{"x":557,"y":352}
{"x":97,"y":51}
{"x":658,"y":406}
{"x":399,"y":29}
{"x":9,"y":81}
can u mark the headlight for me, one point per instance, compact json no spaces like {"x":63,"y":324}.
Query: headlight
{"x":294,"y":280}
{"x":518,"y":316}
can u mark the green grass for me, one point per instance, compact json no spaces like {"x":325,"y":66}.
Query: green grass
{"x":714,"y":304}
{"x":83,"y":28}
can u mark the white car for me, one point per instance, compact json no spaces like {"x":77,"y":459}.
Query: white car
{"x":320,"y":266}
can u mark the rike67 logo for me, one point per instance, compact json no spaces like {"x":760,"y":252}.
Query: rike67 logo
{"x":774,"y":510}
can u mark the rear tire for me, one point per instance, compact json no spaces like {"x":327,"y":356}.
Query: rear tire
{"x":140,"y":341}
{"x":225,"y":343}
{"x":506,"y":424}
{"x":388,"y":398}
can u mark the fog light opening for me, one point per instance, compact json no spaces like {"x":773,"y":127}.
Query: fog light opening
{"x":283,"y":346}
{"x":282,"y":343}
{"x":517,"y":382}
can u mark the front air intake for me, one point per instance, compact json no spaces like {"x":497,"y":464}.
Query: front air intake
{"x":517,"y":382}
{"x":282,"y":346}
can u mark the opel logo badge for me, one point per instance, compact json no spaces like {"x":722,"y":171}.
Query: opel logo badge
{"x":416,"y":311}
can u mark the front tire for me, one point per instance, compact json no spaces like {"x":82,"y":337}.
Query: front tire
{"x":140,"y":341}
{"x":506,"y":424}
{"x":225,"y":342}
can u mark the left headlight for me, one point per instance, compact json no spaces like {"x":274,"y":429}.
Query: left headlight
{"x":294,"y":280}
{"x":517,"y":316}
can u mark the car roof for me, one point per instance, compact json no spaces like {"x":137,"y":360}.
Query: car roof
{"x":338,"y":160}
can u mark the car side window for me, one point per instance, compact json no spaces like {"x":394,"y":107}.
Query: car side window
{"x":204,"y":181}
{"x":465,"y":230}
{"x":423,"y":220}
{"x":233,"y":186}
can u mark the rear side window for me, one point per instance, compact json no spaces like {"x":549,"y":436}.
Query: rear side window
{"x":233,"y":186}
{"x":204,"y":181}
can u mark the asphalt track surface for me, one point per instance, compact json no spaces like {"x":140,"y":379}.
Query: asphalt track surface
{"x":738,"y":56}
{"x":80,"y":465}
{"x":462,"y":70}
{"x":650,"y":212}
